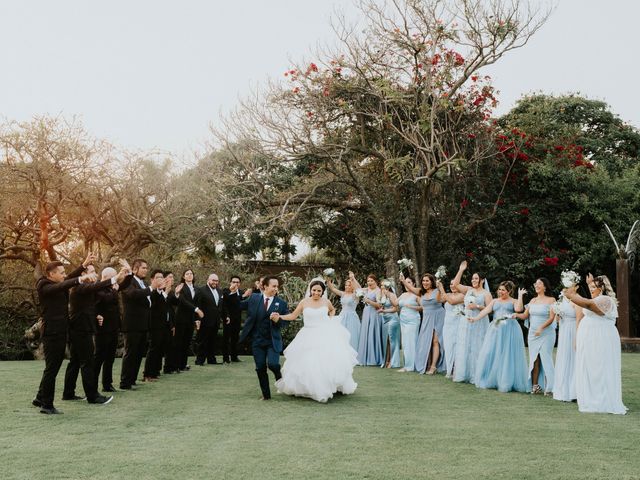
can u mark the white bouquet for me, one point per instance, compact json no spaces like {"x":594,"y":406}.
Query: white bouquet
{"x":500,"y":321}
{"x":329,"y":272}
{"x":458,"y":309}
{"x":405,"y":263}
{"x":569,"y":278}
{"x":360,"y":293}
{"x":386,"y":283}
{"x":557,"y":306}
{"x":441,"y":272}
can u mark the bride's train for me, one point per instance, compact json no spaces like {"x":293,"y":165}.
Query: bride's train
{"x":320,"y":360}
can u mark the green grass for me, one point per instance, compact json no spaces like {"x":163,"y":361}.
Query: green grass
{"x":209,"y":423}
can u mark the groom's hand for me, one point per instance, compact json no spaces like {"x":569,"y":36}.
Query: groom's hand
{"x":275,"y":317}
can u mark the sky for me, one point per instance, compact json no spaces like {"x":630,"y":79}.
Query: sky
{"x":155,"y":74}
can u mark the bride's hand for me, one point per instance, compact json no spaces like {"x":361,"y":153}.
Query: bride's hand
{"x":275,"y":316}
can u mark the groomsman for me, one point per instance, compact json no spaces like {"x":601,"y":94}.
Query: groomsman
{"x":231,"y":327}
{"x":170,"y":359}
{"x":158,"y":321}
{"x":82,"y":328}
{"x":136,"y":299}
{"x":186,"y":314}
{"x":53,"y":295}
{"x":210,"y":300}
{"x":108,"y":326}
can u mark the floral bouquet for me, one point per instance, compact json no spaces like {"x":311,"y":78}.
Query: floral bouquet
{"x":557,"y":306}
{"x":405,"y":263}
{"x":500,"y":321}
{"x":458,"y":309}
{"x":441,"y":273}
{"x":360,"y":293}
{"x":329,"y":272}
{"x":569,"y":278}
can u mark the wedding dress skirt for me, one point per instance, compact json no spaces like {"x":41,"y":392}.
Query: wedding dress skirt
{"x":320,"y":359}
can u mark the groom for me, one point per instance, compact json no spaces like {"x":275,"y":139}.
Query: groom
{"x":266,"y":338}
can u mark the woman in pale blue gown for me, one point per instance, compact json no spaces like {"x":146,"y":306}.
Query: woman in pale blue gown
{"x":502,"y":363}
{"x":409,"y":305}
{"x":348,"y":315}
{"x":370,"y":349}
{"x":567,"y":314}
{"x":453,"y":313}
{"x":390,"y":327}
{"x":429,"y":356}
{"x":539,"y":319}
{"x":598,"y":356}
{"x":470,"y":334}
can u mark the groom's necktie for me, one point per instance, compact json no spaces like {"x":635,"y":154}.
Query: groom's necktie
{"x":266,"y":303}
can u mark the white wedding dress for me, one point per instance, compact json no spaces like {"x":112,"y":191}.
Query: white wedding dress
{"x":320,"y":359}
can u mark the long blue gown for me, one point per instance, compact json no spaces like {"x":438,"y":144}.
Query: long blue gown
{"x":452,"y":317}
{"x":470,"y":338}
{"x":541,"y":346}
{"x":409,"y":325}
{"x":432,"y":321}
{"x":565,"y":381}
{"x":370,"y":351}
{"x":502,"y":363}
{"x":391,"y":336}
{"x":349,"y":318}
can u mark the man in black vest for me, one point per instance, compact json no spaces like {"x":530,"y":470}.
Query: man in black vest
{"x":231,"y":328}
{"x":53,"y":294}
{"x":136,"y":296}
{"x":82,"y":328}
{"x":210,"y":300}
{"x":108,"y":326}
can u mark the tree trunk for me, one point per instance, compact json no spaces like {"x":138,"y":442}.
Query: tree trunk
{"x":622,"y":292}
{"x":423,"y":230}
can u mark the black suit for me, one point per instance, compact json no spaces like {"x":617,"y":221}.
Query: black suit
{"x":159,"y":327}
{"x":82,"y":327}
{"x":231,"y":330}
{"x":135,"y":324}
{"x":209,"y":324}
{"x":108,"y":306}
{"x":54,"y":303}
{"x":185,"y":320}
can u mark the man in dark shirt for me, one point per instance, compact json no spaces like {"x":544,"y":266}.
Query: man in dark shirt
{"x":108,"y":326}
{"x":53,"y":294}
{"x":231,"y":327}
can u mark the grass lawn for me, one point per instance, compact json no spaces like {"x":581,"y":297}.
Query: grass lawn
{"x":209,"y":423}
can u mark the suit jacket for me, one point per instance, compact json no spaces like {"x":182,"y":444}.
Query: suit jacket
{"x":108,"y":305}
{"x":232,"y":304}
{"x":254,"y":305}
{"x":212,"y":312}
{"x":186,"y":311}
{"x":136,"y":306}
{"x":54,"y":302}
{"x":82,"y":306}
{"x":159,"y":318}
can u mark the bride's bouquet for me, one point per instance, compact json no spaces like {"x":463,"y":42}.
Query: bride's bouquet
{"x":405,"y":263}
{"x":441,"y":273}
{"x":569,"y":278}
{"x":329,"y":272}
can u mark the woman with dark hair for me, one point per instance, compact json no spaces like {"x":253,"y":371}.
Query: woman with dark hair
{"x":409,"y":305}
{"x":453,"y":313}
{"x":319,"y":360}
{"x":598,"y":362}
{"x":186,"y":315}
{"x":568,"y":314}
{"x":348,"y":315}
{"x":390,"y":326}
{"x":539,"y":319}
{"x":502,"y":363}
{"x":429,"y":347}
{"x":370,"y":350}
{"x":470,"y":334}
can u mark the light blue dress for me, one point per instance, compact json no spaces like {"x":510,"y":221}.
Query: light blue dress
{"x":565,"y":381}
{"x":452,"y":316}
{"x":409,"y":325}
{"x":541,"y":346}
{"x":470,"y":338}
{"x":349,"y":318}
{"x":502,"y":363}
{"x":432,"y":321}
{"x":370,"y":351}
{"x":391,"y":336}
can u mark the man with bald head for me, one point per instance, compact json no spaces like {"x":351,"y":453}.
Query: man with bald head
{"x":210,"y":300}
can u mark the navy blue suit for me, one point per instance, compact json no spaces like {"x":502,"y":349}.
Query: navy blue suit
{"x":266,"y":342}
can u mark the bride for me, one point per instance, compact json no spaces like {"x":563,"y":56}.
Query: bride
{"x":320,"y":359}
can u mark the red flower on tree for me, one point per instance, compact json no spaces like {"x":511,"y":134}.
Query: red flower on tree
{"x":551,"y":261}
{"x":464,"y":203}
{"x":524,"y":211}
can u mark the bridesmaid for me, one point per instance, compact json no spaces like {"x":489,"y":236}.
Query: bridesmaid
{"x":502,"y":363}
{"x":409,"y":305}
{"x":348,"y":315}
{"x":370,"y":350}
{"x":390,"y":326}
{"x":598,"y":357}
{"x":470,"y":334}
{"x":539,"y":319}
{"x":567,"y":316}
{"x":429,"y":348}
{"x":453,"y":312}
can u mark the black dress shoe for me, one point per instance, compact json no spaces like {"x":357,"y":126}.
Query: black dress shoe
{"x":109,"y":389}
{"x":214,"y":362}
{"x":236,"y":360}
{"x":126,"y":387}
{"x":50,"y":410}
{"x":72,"y":397}
{"x":200,"y":364}
{"x":36,"y":403}
{"x":188,"y":367}
{"x":101,"y":400}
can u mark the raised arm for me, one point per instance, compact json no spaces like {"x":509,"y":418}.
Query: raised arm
{"x":456,"y":280}
{"x":355,"y":282}
{"x":519,"y":304}
{"x":521,"y":316}
{"x":333,"y":288}
{"x":409,"y":288}
{"x":587,"y":303}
